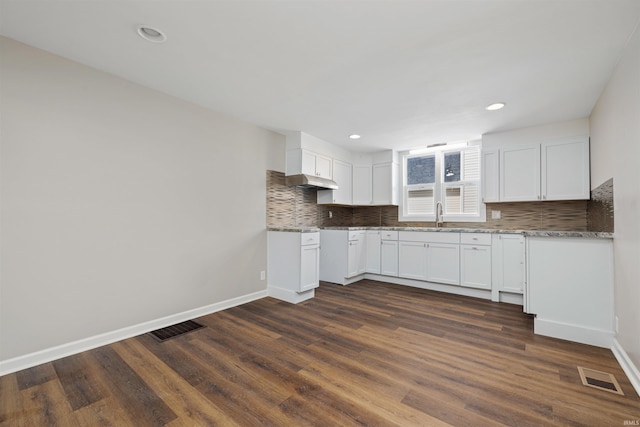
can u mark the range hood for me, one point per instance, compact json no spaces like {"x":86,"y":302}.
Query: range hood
{"x":310,"y":181}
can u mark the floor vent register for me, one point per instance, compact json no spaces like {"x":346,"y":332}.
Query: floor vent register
{"x":176,"y":330}
{"x":600,"y":380}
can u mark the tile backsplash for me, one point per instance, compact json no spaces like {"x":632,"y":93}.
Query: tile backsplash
{"x":600,"y":209}
{"x":298,"y":207}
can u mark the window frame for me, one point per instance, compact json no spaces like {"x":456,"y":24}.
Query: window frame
{"x":439,"y":187}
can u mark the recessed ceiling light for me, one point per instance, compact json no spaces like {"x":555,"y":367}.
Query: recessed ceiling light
{"x":151,"y":34}
{"x":354,"y":136}
{"x":496,"y":106}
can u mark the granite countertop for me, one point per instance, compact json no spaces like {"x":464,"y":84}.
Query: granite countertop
{"x":294,"y":229}
{"x":529,"y":233}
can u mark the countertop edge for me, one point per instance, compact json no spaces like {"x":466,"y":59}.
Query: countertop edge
{"x":527,"y":233}
{"x":295,"y":229}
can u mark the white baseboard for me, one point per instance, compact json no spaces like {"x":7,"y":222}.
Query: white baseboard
{"x":627,"y":365}
{"x":576,"y":333}
{"x":290,"y":296}
{"x":47,"y":355}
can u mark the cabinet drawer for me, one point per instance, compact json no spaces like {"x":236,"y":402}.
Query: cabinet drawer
{"x":389,"y":235}
{"x":309,"y":239}
{"x":357,"y":235}
{"x":475,"y":238}
{"x":429,"y":236}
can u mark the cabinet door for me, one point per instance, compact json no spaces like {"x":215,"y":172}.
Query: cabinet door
{"x":324,"y":166}
{"x":342,"y":176}
{"x":353,"y":262}
{"x":309,"y":267}
{"x":389,"y":258}
{"x":520,"y":173}
{"x":475,"y":266}
{"x":490,"y":175}
{"x":565,"y":169}
{"x":362,"y":253}
{"x":443,"y":263}
{"x":362,"y":185}
{"x":412,"y":260}
{"x":308,"y":163}
{"x":373,"y":252}
{"x":512,"y":271}
{"x":384,"y":188}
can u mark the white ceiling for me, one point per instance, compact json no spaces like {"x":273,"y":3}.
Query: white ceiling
{"x":402,"y":74}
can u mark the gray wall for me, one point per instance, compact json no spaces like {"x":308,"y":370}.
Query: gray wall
{"x":615,"y":153}
{"x":120,"y":205}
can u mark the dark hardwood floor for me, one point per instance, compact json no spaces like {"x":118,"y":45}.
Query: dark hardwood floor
{"x":369,"y":354}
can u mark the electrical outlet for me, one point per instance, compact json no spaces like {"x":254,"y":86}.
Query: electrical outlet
{"x":263,"y":275}
{"x":330,"y":214}
{"x":496,"y":214}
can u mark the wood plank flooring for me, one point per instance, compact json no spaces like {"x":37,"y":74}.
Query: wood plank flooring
{"x":369,"y":354}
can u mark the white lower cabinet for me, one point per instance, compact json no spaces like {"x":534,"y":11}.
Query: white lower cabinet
{"x":412,"y":260}
{"x":293,"y":265}
{"x":475,"y":266}
{"x":389,"y":257}
{"x":356,"y":254}
{"x":475,"y":260}
{"x":343,"y":256}
{"x":309,"y":267}
{"x":508,"y":266}
{"x":382,"y":252}
{"x":431,"y":256}
{"x":570,"y":288}
{"x":443,"y":263}
{"x":374,"y":251}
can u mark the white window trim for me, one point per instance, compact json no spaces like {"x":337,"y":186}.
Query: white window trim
{"x":438,"y":190}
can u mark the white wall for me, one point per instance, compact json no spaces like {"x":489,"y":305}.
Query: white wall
{"x":120,"y":205}
{"x":615,"y":152}
{"x":536,"y":134}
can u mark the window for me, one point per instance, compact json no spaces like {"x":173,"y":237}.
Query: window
{"x":449,"y":176}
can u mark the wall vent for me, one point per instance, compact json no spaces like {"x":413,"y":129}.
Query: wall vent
{"x":176,"y":330}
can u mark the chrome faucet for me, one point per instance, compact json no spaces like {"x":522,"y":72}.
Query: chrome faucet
{"x":438,"y":214}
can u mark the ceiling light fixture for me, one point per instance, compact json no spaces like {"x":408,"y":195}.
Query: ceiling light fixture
{"x":496,"y":106}
{"x":354,"y":136}
{"x":151,"y":34}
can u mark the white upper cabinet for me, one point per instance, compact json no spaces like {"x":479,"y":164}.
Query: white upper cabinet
{"x":375,"y":184}
{"x":342,"y":175}
{"x":565,"y":169}
{"x":553,"y":170}
{"x":309,"y":163}
{"x":520,"y":173}
{"x":362,"y":188}
{"x":385,"y":188}
{"x":491,"y":175}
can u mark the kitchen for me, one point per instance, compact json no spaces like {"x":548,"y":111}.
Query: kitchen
{"x":161,"y":227}
{"x":498,"y":260}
